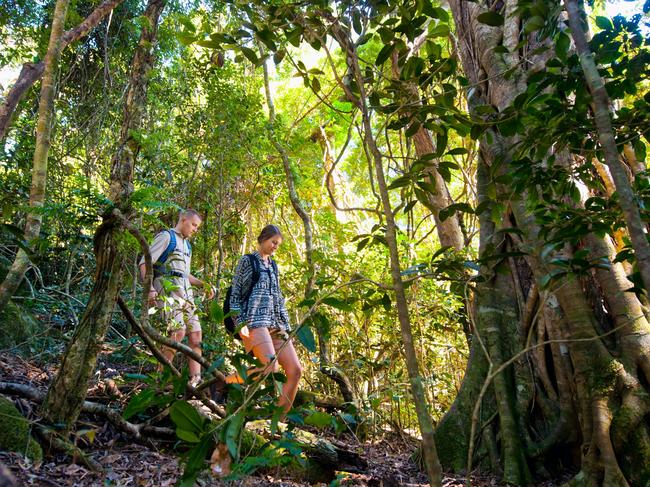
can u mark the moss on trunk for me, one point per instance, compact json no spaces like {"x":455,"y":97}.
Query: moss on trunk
{"x":15,"y":432}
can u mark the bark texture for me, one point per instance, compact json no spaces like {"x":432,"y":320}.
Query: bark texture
{"x":562,"y":375}
{"x":68,"y":390}
{"x":20,"y":265}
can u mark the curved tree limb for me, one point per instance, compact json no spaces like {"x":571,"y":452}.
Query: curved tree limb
{"x":30,"y":72}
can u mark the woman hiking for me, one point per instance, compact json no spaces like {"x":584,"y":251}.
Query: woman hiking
{"x":263,"y":321}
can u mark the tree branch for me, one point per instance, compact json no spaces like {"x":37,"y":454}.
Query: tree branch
{"x":30,"y":72}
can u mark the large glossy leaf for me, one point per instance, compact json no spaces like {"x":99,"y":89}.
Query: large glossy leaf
{"x":185,"y":417}
{"x":490,"y":18}
{"x":306,"y":336}
{"x":139,"y":403}
{"x":232,"y":433}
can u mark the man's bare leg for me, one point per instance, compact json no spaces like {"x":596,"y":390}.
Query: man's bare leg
{"x":194,"y":339}
{"x":169,"y":353}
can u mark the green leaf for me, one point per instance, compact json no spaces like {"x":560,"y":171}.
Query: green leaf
{"x":293,"y":36}
{"x":216,"y":312}
{"x":441,"y":144}
{"x":534,"y":23}
{"x":279,"y":56}
{"x":356,"y":22}
{"x":457,"y":151}
{"x":386,"y":302}
{"x":562,"y":45}
{"x":139,"y":403}
{"x":604,"y":23}
{"x":440,"y":30}
{"x":188,"y":436}
{"x":250,"y":55}
{"x":476,"y":131}
{"x":337,"y":303}
{"x":319,"y":419}
{"x":490,"y":18}
{"x":384,"y":54}
{"x":423,"y":198}
{"x":412,"y":129}
{"x":386,"y":34}
{"x":639,"y":150}
{"x":185,"y":38}
{"x":187,"y":23}
{"x":409,"y":206}
{"x":232,"y":433}
{"x":361,"y":244}
{"x":413,"y":68}
{"x":186,"y":417}
{"x":267,"y":37}
{"x":196,"y":460}
{"x":131,"y":376}
{"x":209,"y":44}
{"x":451,"y":209}
{"x":306,"y":336}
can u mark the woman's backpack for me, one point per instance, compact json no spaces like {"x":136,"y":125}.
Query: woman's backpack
{"x":228,"y":321}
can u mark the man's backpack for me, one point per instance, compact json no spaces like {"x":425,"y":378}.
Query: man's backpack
{"x":228,"y":321}
{"x":159,"y":266}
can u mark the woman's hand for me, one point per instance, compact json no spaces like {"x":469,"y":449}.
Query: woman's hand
{"x":153,"y":294}
{"x":244,"y":332}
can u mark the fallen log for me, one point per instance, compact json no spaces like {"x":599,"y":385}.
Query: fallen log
{"x":324,"y":457}
{"x":113,"y":415}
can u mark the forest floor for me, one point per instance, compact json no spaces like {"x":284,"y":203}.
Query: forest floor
{"x":148,"y":462}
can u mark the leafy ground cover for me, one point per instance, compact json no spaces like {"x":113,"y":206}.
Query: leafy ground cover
{"x":154,"y":462}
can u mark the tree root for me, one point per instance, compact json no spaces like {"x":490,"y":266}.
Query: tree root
{"x":52,"y":440}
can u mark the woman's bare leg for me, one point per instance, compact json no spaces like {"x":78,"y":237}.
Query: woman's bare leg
{"x":259,"y":341}
{"x":288,"y":359}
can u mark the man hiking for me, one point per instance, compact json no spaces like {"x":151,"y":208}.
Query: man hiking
{"x":171,"y":292}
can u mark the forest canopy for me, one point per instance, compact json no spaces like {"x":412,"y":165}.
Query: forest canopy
{"x":463,"y":197}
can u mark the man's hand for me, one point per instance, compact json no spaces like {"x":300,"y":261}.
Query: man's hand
{"x":209,"y":291}
{"x":153,"y":294}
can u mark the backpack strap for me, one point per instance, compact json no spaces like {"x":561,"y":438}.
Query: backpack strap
{"x":170,"y":247}
{"x":255,"y":266}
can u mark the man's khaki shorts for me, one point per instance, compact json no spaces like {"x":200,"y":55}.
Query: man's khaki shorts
{"x":178,"y":313}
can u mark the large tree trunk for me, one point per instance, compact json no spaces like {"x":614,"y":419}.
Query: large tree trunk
{"x":68,"y":390}
{"x":39,"y":172}
{"x":577,"y":397}
{"x":30,"y":72}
